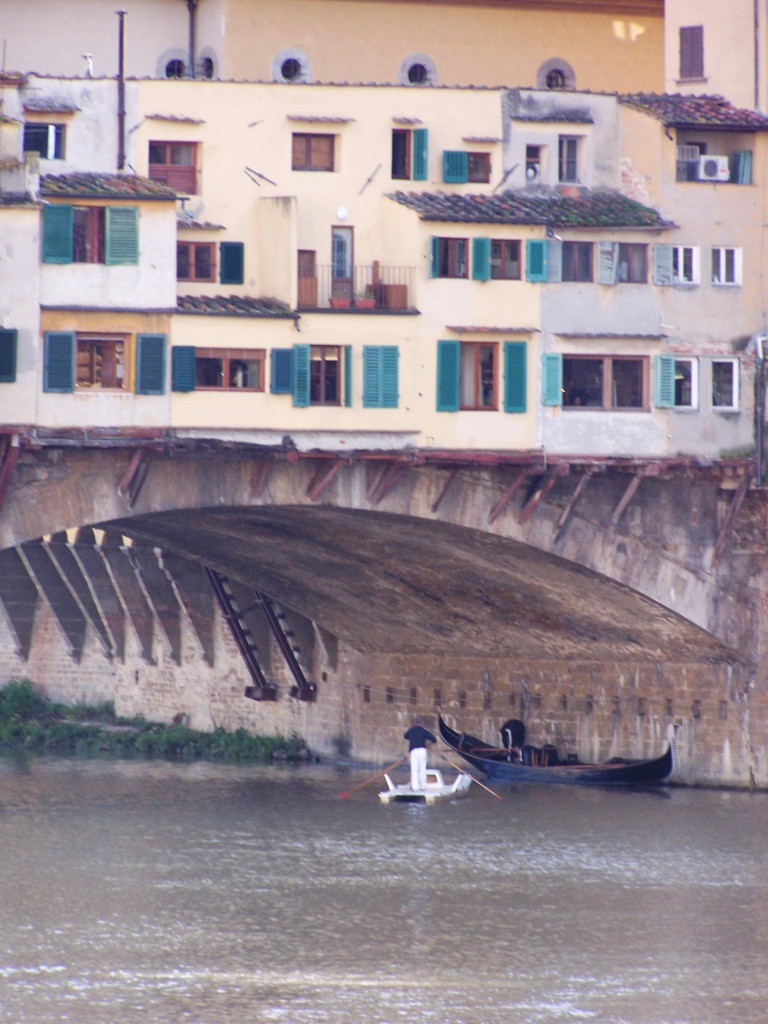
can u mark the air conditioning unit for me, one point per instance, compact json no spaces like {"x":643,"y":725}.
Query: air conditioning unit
{"x":532,"y":171}
{"x":714,"y":168}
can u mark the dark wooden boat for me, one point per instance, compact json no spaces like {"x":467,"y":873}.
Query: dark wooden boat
{"x":542,"y":765}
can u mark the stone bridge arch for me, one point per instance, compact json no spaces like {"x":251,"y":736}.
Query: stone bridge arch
{"x":514,"y":563}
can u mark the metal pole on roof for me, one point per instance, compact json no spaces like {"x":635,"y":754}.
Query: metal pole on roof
{"x":121,"y":91}
{"x":192,"y":8}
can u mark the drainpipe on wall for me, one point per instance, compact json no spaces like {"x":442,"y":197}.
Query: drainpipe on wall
{"x":121,"y":92}
{"x":192,"y":8}
{"x":760,"y":342}
{"x":757,"y":53}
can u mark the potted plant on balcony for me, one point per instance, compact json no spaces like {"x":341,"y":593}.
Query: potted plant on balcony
{"x":340,"y":298}
{"x":365,"y":299}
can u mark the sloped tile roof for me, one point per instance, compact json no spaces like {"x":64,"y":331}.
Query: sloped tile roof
{"x":231,"y":305}
{"x":104,"y":186}
{"x":601,"y":209}
{"x":678,"y":111}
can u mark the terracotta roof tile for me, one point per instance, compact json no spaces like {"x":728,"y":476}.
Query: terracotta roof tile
{"x":601,"y":209}
{"x":678,"y":111}
{"x":231,"y":305}
{"x":104,"y":186}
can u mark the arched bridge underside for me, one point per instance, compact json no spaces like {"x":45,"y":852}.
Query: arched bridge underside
{"x":519,"y":560}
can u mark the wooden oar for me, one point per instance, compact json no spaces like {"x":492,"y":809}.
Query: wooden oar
{"x":464,"y":772}
{"x":372,"y":777}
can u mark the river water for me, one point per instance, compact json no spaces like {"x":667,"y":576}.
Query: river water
{"x":155,"y":893}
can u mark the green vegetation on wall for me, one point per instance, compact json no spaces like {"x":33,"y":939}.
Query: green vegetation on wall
{"x":30,"y":722}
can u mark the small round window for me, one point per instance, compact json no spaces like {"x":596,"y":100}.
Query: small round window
{"x":417,"y":69}
{"x":175,"y":69}
{"x":291,"y":65}
{"x":290,"y":69}
{"x":555,"y":73}
{"x":417,"y":74}
{"x":206,"y":67}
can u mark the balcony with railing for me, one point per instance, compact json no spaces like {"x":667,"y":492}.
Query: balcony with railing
{"x":367,"y":287}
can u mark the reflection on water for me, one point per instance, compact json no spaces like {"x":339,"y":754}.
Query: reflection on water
{"x":135,"y":893}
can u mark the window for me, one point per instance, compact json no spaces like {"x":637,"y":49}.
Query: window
{"x":195,"y":261}
{"x":417,"y":69}
{"x":633,"y":262}
{"x":468,"y":376}
{"x":449,"y":257}
{"x":555,"y":79}
{"x":291,"y":65}
{"x":8,"y":345}
{"x":231,"y":262}
{"x":324,"y":375}
{"x":100,"y":362}
{"x":290,"y":69}
{"x":505,"y":260}
{"x":479,"y":167}
{"x":459,"y":167}
{"x":726,"y":266}
{"x":45,"y":139}
{"x":577,"y":261}
{"x":686,"y":383}
{"x":174,"y":164}
{"x":685,"y":264}
{"x":477,"y":376}
{"x":725,"y":384}
{"x":555,"y":73}
{"x":205,"y":68}
{"x":409,"y":154}
{"x":175,"y":69}
{"x":380,"y":379}
{"x":533,"y":166}
{"x":229,"y":369}
{"x":692,"y":51}
{"x":90,"y":234}
{"x":312,"y":152}
{"x":676,"y":382}
{"x":604,"y":382}
{"x":568,"y":158}
{"x":96,"y":362}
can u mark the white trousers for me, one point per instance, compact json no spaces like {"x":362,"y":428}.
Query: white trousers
{"x":419,"y":768}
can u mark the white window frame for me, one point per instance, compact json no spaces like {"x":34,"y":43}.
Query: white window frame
{"x":694,"y":367}
{"x":678,"y":261}
{"x":735,"y":389}
{"x":720,"y":270}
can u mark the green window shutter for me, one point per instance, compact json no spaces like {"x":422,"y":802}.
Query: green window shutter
{"x":121,"y":242}
{"x":371,"y":376}
{"x":150,"y":364}
{"x":281,"y":381}
{"x":183,"y":368}
{"x":301,"y":375}
{"x":607,"y":262}
{"x":552,"y":378}
{"x":662,"y":263}
{"x":554,"y":272}
{"x":434,"y":256}
{"x":481,"y":259}
{"x":380,"y":383}
{"x":57,"y":234}
{"x":8,"y":343}
{"x":455,"y":166}
{"x":536,"y":259}
{"x":420,"y":154}
{"x":59,"y":361}
{"x":390,"y":358}
{"x":448,"y":362}
{"x":741,"y":166}
{"x":347,"y":375}
{"x":515,"y":379}
{"x":231,"y":262}
{"x":664,"y":382}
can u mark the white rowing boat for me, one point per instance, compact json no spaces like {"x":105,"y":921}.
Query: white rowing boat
{"x":437,"y":789}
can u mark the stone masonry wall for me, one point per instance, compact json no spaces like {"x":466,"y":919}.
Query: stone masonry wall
{"x":365,"y":702}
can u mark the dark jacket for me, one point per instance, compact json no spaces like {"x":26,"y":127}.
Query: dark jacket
{"x":417,"y":736}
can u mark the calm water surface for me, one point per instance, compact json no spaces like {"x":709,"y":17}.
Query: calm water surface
{"x":135,"y":893}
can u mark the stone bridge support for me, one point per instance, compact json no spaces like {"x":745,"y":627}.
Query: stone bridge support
{"x":601,"y":602}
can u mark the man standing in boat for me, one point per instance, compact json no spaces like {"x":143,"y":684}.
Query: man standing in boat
{"x":418,"y":737}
